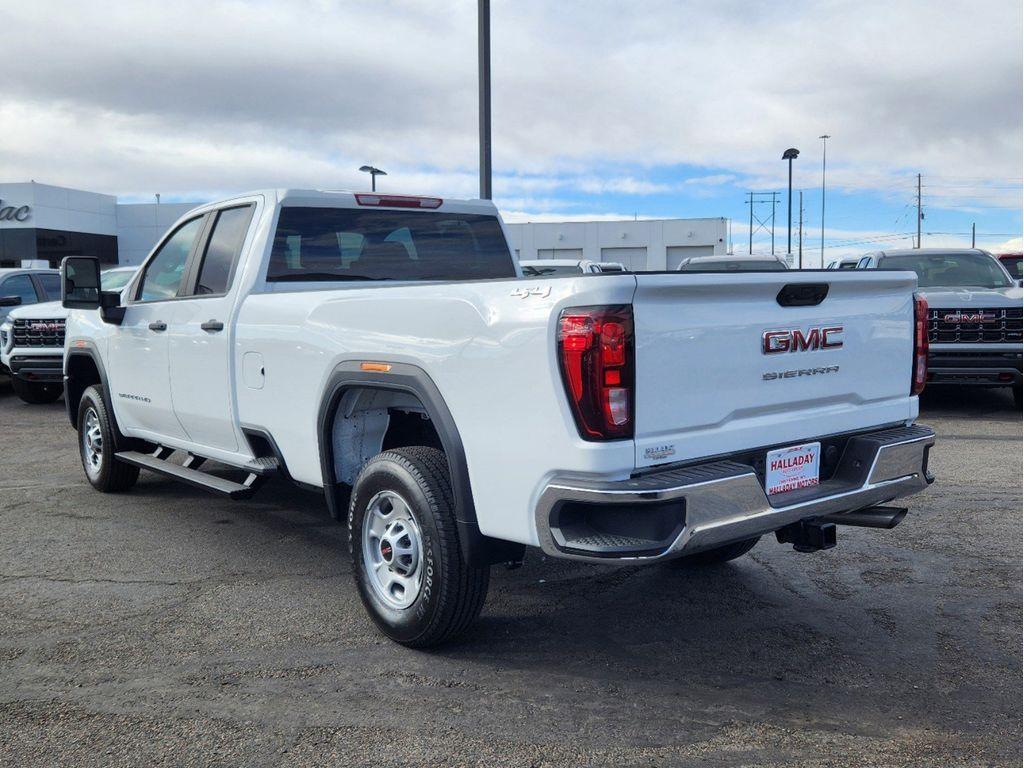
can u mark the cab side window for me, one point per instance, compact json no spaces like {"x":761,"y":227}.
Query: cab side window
{"x":167,"y":267}
{"x":222,"y":250}
{"x":864,"y":263}
{"x":20,"y":286}
{"x":51,"y":285}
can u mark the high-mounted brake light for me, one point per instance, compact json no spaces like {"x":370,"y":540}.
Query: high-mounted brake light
{"x":398,"y":201}
{"x":920,"y":372}
{"x":595,"y":352}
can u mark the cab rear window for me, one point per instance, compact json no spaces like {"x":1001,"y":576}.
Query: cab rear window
{"x":338,"y":244}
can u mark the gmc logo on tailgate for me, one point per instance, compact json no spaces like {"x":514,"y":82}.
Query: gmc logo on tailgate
{"x":796,"y":340}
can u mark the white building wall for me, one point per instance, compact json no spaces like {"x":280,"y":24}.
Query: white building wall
{"x":598,"y":240}
{"x":60,"y":208}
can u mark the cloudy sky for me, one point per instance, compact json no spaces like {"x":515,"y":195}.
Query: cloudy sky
{"x":601,"y":109}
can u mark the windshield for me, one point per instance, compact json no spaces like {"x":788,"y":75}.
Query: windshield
{"x":950,"y":270}
{"x":733,"y":265}
{"x":551,"y":271}
{"x":116,"y":279}
{"x":336,"y":244}
{"x":1013,"y":265}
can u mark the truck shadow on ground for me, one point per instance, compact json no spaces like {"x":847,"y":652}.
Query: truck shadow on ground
{"x":771,"y":615}
{"x":995,"y":402}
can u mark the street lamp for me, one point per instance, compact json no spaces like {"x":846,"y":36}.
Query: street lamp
{"x":374,"y":173}
{"x":824,"y":138}
{"x":790,"y":154}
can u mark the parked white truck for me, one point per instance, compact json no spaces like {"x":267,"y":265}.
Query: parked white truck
{"x":32,"y":340}
{"x":385,"y":351}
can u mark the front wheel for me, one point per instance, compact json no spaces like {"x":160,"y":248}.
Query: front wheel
{"x":97,"y":444}
{"x":719,"y":554}
{"x":405,"y":551}
{"x":36,"y":393}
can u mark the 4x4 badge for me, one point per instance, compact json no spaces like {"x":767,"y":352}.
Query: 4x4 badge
{"x":522,"y":293}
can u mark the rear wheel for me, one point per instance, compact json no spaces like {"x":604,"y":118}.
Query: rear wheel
{"x":719,"y":554}
{"x":97,"y":444}
{"x":1017,"y":396}
{"x":405,"y":551}
{"x":35,"y":392}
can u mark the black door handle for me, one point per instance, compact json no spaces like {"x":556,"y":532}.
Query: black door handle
{"x":158,"y":325}
{"x":212,"y":326}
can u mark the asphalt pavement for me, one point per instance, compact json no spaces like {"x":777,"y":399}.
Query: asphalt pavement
{"x":170,"y":627}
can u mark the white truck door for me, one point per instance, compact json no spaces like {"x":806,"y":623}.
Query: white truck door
{"x":138,"y":348}
{"x":200,"y":333}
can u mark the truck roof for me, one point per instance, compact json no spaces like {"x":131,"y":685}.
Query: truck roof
{"x":347,"y":198}
{"x":927,"y":251}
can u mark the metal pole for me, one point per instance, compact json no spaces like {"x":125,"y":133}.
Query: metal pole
{"x":824,"y":140}
{"x":789,"y":214}
{"x":919,"y":210}
{"x":775,"y":200}
{"x":750,"y":246}
{"x":484,"y":62}
{"x":373,"y":182}
{"x":800,"y":234}
{"x":972,"y":234}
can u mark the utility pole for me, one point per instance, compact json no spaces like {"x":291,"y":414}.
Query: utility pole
{"x":824,"y":139}
{"x":972,"y":234}
{"x":766,"y":222}
{"x":800,"y":234}
{"x":775,"y":201}
{"x":750,"y":230}
{"x":919,"y":214}
{"x":484,"y":62}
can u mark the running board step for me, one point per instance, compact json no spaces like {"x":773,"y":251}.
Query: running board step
{"x":194,"y":477}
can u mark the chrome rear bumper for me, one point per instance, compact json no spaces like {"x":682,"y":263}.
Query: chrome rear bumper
{"x":686,"y":510}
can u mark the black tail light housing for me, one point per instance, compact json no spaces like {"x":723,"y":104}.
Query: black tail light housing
{"x":919,"y":375}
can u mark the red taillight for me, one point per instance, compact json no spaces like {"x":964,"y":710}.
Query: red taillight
{"x":920,"y":372}
{"x":398,"y":201}
{"x":595,"y":351}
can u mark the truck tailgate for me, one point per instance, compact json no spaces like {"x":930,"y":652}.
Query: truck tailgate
{"x":705,"y":386}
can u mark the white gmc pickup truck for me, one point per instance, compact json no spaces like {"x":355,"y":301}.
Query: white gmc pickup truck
{"x":385,"y":351}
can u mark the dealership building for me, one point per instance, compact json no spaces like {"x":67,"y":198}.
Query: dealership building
{"x":44,"y":223}
{"x":40,"y":222}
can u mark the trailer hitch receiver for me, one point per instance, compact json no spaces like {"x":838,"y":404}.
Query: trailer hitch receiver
{"x":808,"y":535}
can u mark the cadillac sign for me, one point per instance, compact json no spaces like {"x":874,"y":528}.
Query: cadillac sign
{"x":14,"y":213}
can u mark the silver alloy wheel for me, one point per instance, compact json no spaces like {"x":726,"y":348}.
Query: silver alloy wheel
{"x":392,"y":550}
{"x":92,"y":443}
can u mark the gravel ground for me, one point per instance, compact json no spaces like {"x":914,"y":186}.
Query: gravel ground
{"x":169,"y":627}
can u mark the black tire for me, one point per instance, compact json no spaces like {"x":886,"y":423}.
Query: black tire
{"x":450,"y":593}
{"x":718,"y":555}
{"x":35,"y":392}
{"x":1017,"y":396}
{"x":106,"y":474}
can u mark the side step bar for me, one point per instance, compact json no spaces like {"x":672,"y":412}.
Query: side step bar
{"x":157,"y":462}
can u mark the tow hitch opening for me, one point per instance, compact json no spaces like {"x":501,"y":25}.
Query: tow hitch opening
{"x":808,"y":535}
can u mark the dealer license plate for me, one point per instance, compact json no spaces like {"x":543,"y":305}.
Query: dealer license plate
{"x":787,"y":469}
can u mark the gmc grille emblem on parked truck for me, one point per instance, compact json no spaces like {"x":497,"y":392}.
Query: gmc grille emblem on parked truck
{"x":796,"y":340}
{"x":969,"y":317}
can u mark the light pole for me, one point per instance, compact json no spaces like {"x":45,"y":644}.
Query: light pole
{"x":374,"y":173}
{"x":790,"y":154}
{"x":824,"y":139}
{"x":483,"y":43}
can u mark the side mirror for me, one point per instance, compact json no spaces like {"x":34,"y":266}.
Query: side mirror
{"x":1020,"y":283}
{"x":80,"y":282}
{"x":10,"y":301}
